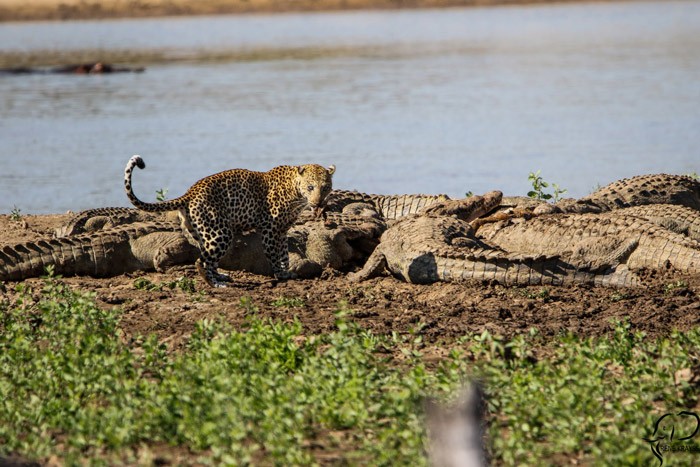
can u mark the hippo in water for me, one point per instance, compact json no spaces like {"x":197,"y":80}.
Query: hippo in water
{"x":96,"y":68}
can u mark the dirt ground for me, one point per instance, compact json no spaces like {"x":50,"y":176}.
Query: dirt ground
{"x":443,"y":311}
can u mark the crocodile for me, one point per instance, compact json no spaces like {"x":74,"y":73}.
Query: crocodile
{"x":336,"y":242}
{"x":95,"y":219}
{"x":391,"y":207}
{"x":604,"y":241}
{"x":680,"y":219}
{"x":126,"y":248}
{"x":682,"y":190}
{"x":423,"y":249}
{"x":601,"y":249}
{"x":641,"y":190}
{"x":94,"y":68}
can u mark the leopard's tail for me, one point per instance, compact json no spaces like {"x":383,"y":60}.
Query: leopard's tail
{"x":170,"y":205}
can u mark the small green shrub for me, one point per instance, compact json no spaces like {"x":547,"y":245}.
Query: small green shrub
{"x":160,"y":194}
{"x":289,"y":302}
{"x":15,"y":214}
{"x":675,"y":285}
{"x":538,"y":186}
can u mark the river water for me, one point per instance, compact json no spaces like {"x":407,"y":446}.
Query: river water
{"x":432,"y":101}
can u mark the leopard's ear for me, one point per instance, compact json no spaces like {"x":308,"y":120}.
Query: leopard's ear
{"x":331,"y":169}
{"x":300,"y":169}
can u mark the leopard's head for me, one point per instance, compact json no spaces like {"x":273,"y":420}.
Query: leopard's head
{"x":315,"y":183}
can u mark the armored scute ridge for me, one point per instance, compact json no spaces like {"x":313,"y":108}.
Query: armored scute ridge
{"x":99,"y":218}
{"x":391,"y":207}
{"x":132,"y":247}
{"x":598,"y":241}
{"x":679,"y":219}
{"x":641,"y":190}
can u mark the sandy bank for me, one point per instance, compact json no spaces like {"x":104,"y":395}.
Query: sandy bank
{"x":24,"y":10}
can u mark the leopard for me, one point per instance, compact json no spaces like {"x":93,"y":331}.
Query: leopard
{"x":218,"y":207}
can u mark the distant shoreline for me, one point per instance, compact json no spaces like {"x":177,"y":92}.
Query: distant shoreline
{"x":63,"y":10}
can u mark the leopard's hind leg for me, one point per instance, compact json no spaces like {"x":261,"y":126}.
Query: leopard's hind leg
{"x":213,"y":240}
{"x":276,"y":248}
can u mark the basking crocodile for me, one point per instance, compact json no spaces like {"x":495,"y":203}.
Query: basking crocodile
{"x":641,"y":190}
{"x":679,"y":219}
{"x":427,"y":249}
{"x":342,"y":240}
{"x":391,"y":207}
{"x":603,"y":241}
{"x":92,"y":220}
{"x":127,"y":248}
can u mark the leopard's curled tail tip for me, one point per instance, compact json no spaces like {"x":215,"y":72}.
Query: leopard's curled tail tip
{"x":137,"y":161}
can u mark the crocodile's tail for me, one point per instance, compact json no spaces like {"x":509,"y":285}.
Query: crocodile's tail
{"x":69,"y":256}
{"x":530,"y":270}
{"x":170,"y":205}
{"x":104,"y":254}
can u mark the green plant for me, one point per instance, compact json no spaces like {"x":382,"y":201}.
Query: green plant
{"x":542,"y":294}
{"x":538,"y":186}
{"x":590,"y":399}
{"x":558,"y":191}
{"x":142,"y":283}
{"x":287,"y":302}
{"x":15,"y":214}
{"x":675,"y":285}
{"x":160,"y":194}
{"x":183,"y":283}
{"x":618,"y":296}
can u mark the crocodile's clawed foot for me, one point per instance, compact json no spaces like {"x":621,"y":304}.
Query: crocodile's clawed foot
{"x":502,"y":216}
{"x":355,"y":277}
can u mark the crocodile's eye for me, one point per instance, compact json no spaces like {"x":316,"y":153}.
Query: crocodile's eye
{"x":310,"y":188}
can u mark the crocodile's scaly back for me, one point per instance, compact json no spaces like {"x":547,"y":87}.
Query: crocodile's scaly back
{"x":679,"y":219}
{"x":95,"y":219}
{"x":391,"y":207}
{"x":598,"y":240}
{"x":101,"y":254}
{"x":637,"y":191}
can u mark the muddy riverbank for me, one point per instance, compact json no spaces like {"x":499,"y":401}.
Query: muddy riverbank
{"x":31,"y":10}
